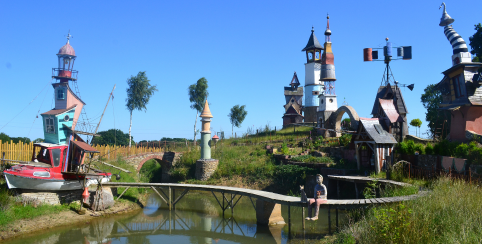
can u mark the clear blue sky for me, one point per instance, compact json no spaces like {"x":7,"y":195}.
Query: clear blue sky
{"x":247,"y":50}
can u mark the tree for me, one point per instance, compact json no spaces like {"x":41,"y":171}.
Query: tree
{"x":138,"y":95}
{"x":416,"y":123}
{"x":4,"y":137}
{"x":346,"y":124}
{"x":38,"y":140}
{"x":112,"y":137}
{"x":236,"y":116}
{"x":198,"y":93}
{"x":436,"y":119}
{"x":476,"y":43}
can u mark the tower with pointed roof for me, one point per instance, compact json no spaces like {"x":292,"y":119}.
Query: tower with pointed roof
{"x":294,"y":102}
{"x":327,"y":99}
{"x":461,"y":88}
{"x":67,"y":104}
{"x":313,"y":85}
{"x":206,"y":166}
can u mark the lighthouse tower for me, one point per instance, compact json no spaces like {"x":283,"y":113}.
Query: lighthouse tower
{"x":327,"y":100}
{"x":313,"y":85}
{"x":67,"y":104}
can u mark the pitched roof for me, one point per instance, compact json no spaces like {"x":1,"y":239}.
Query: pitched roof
{"x":72,"y":92}
{"x":292,"y":111}
{"x":376,"y":132}
{"x":84,"y":146}
{"x":389,"y":92}
{"x":312,"y":42}
{"x":295,"y":81}
{"x":58,"y":111}
{"x":389,"y":109}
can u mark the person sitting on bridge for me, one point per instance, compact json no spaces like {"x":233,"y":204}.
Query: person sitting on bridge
{"x":320,"y":197}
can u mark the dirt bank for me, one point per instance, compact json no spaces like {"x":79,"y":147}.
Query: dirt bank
{"x":29,"y":226}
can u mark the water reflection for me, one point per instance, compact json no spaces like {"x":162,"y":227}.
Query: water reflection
{"x":197,"y":219}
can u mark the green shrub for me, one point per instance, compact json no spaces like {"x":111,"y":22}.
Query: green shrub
{"x":429,"y":149}
{"x":284,"y":149}
{"x":312,"y":159}
{"x":420,"y":148}
{"x":462,"y":150}
{"x":5,"y":200}
{"x":345,"y":139}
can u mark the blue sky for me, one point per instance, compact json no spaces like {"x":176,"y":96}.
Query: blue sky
{"x":247,"y":50}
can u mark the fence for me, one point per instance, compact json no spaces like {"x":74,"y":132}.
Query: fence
{"x":24,"y":151}
{"x":417,"y":172}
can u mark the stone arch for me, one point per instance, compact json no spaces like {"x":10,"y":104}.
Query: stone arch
{"x":338,"y":115}
{"x":157,"y":158}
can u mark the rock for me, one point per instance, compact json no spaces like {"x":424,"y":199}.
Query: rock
{"x":105,"y":201}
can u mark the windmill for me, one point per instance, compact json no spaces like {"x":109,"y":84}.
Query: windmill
{"x":403,"y":53}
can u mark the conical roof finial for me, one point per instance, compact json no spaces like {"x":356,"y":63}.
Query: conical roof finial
{"x":446,"y":19}
{"x":206,"y":111}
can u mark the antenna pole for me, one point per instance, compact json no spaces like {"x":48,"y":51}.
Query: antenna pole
{"x":104,"y":111}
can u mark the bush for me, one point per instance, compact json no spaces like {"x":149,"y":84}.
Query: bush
{"x":284,"y":149}
{"x":462,"y":151}
{"x":429,"y":149}
{"x":312,"y":159}
{"x":4,"y":198}
{"x":345,"y":139}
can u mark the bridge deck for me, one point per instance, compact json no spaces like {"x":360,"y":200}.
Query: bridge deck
{"x":363,"y":179}
{"x":264,"y":195}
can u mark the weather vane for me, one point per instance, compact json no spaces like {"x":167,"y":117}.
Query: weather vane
{"x":69,"y":36}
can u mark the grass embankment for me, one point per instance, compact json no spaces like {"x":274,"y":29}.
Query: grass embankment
{"x":11,"y":210}
{"x":449,"y":214}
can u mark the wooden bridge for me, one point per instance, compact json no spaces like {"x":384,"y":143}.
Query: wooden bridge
{"x":232,"y":195}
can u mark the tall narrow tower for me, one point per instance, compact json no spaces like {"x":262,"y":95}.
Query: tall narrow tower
{"x":327,"y":100}
{"x":67,"y":105}
{"x":313,"y":85}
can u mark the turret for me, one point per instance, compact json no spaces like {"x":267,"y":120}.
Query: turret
{"x":313,"y":85}
{"x":461,"y":53}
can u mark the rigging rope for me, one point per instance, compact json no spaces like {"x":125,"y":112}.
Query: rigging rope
{"x":26,"y":106}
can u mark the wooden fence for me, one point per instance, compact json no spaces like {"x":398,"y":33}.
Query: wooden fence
{"x":23,"y":151}
{"x":417,"y":172}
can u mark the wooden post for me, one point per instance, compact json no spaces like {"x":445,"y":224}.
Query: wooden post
{"x":329,"y":219}
{"x":470,"y":176}
{"x":170,"y":199}
{"x":174,"y":197}
{"x":409,"y":166}
{"x":356,"y":190}
{"x":289,"y":220}
{"x":303,"y":216}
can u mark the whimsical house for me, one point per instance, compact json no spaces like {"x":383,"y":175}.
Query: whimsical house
{"x":313,"y":85}
{"x":294,"y":102}
{"x":64,"y":116}
{"x":374,"y":145}
{"x":390,"y":108}
{"x":461,"y":87}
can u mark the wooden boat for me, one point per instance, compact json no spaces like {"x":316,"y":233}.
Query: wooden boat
{"x":51,"y":168}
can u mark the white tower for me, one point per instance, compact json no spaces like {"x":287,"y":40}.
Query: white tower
{"x":313,"y":85}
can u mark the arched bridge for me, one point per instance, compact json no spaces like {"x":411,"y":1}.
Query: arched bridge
{"x":165,"y":159}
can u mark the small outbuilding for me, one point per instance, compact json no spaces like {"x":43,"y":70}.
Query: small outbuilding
{"x":373,"y":145}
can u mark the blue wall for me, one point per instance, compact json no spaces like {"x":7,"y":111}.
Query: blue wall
{"x":61,"y":134}
{"x":310,"y":99}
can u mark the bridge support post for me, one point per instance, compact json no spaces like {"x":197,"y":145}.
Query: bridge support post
{"x":268,"y":213}
{"x":329,"y":219}
{"x":170,"y":202}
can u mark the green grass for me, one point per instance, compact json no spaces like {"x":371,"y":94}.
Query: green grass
{"x":250,"y":163}
{"x":450,"y":214}
{"x":312,"y":159}
{"x":12,"y":211}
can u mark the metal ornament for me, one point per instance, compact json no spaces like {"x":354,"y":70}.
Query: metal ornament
{"x":446,"y":19}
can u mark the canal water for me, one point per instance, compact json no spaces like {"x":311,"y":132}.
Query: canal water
{"x":198,"y":218}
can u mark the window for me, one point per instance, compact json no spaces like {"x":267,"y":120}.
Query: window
{"x":49,"y":125}
{"x":60,"y":93}
{"x":459,"y":82}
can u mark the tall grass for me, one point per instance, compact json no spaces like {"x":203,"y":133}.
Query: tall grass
{"x":449,"y":214}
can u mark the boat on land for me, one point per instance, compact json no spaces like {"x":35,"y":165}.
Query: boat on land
{"x":58,"y":163}
{"x":50,"y":171}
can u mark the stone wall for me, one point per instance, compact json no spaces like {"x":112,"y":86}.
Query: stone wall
{"x":205,"y":168}
{"x":53,"y":198}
